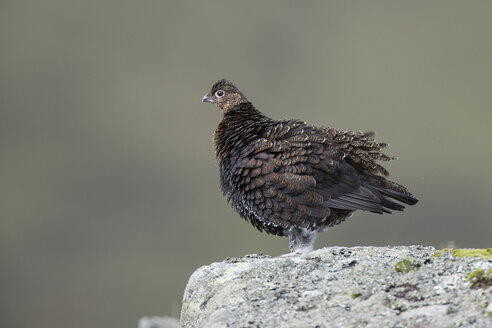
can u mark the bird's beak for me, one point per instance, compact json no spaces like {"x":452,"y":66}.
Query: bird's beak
{"x":207,"y":98}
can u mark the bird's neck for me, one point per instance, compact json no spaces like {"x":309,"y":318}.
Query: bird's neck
{"x":239,"y":127}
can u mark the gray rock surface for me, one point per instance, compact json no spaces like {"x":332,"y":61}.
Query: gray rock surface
{"x":341,"y":287}
{"x":158,"y":322}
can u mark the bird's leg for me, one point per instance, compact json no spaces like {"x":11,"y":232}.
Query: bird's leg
{"x":295,"y":237}
{"x":307,"y":241}
{"x":301,"y":240}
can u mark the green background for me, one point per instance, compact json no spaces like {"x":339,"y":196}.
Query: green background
{"x":109,"y":193}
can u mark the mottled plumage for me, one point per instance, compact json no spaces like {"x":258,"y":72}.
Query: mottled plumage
{"x":292,"y":179}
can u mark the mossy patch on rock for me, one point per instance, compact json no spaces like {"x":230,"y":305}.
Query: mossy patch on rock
{"x":406,"y":265}
{"x":442,"y":251}
{"x":480,"y":278}
{"x":355,"y":295}
{"x":484,"y":253}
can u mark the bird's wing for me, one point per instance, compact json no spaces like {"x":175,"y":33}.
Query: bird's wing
{"x":293,"y":177}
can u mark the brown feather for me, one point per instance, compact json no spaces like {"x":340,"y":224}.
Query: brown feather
{"x":283,"y":175}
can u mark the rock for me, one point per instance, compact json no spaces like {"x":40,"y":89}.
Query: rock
{"x":158,"y":322}
{"x":412,"y":286}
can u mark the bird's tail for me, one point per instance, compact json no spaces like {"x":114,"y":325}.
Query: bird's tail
{"x":388,"y":191}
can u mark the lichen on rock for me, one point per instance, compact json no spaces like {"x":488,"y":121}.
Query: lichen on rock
{"x":406,"y":265}
{"x":485,"y":253}
{"x":480,"y":278}
{"x":342,"y":287}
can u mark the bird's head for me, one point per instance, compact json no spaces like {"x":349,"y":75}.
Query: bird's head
{"x":225,"y":95}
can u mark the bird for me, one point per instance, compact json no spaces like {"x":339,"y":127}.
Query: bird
{"x":289,"y":178}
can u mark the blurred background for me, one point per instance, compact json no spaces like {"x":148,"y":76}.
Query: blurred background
{"x":109,"y":193}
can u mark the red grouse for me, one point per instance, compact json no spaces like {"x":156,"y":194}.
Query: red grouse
{"x":292,"y":179}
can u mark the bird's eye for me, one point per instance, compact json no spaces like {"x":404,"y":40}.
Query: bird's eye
{"x":219,"y":94}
